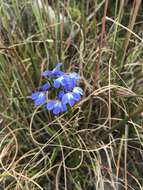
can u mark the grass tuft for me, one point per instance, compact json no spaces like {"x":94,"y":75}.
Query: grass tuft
{"x":98,"y":144}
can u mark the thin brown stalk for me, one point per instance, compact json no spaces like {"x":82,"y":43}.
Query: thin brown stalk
{"x":103,"y":31}
{"x":133,"y":16}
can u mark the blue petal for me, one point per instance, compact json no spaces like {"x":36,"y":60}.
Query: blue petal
{"x":59,"y":73}
{"x":35,"y":95}
{"x":57,"y":109}
{"x":76,"y":96}
{"x":56,"y":84}
{"x":68,"y":98}
{"x":68,"y":83}
{"x":64,"y":108}
{"x":40,"y":100}
{"x":56,"y":70}
{"x":74,"y":75}
{"x":58,"y":65}
{"x":65,"y":99}
{"x":71,"y":101}
{"x":80,"y":90}
{"x":51,"y":104}
{"x":61,"y":94}
{"x":46,"y":87}
{"x":73,"y":83}
{"x":67,"y":87}
{"x":46,"y":73}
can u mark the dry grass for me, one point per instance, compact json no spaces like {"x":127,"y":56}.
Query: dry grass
{"x":98,"y":144}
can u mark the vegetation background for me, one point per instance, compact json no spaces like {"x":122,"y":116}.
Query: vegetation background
{"x":98,"y":145}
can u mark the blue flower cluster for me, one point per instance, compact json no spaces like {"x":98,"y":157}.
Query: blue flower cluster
{"x":59,"y":90}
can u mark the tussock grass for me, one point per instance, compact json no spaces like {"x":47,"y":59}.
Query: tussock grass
{"x":98,"y":144}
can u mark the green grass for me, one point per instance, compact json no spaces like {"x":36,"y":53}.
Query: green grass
{"x":98,"y":144}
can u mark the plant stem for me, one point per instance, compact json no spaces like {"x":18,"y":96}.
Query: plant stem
{"x":122,"y":122}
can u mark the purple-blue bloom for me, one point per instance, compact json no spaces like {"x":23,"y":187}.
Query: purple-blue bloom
{"x":46,"y":86}
{"x":68,"y":98}
{"x":56,"y":106}
{"x":68,"y":81}
{"x":74,"y":76}
{"x":39,"y":98}
{"x":59,"y":91}
{"x":58,"y":82}
{"x":60,"y":95}
{"x":72,"y":97}
{"x":78,"y":90}
{"x":54,"y":72}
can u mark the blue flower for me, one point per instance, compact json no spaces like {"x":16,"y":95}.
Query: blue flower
{"x":39,"y":98}
{"x":68,"y":81}
{"x":45,"y":87}
{"x":69,"y":98}
{"x":56,"y":106}
{"x":65,"y":81}
{"x":60,"y":95}
{"x":78,"y":90}
{"x":72,"y":97}
{"x":54,"y":72}
{"x":74,"y":76}
{"x":58,"y":82}
{"x":61,"y":87}
{"x":46,"y":73}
